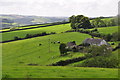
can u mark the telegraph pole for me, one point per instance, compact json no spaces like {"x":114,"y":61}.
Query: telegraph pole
{"x":49,"y":45}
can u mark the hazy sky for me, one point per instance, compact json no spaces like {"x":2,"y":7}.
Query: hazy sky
{"x":90,"y":8}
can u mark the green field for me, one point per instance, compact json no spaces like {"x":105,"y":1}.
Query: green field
{"x":26,"y":27}
{"x":24,"y":50}
{"x":22,"y":33}
{"x":58,"y":72}
{"x":108,"y":30}
{"x":17,"y":55}
{"x":107,"y":19}
{"x":57,"y":28}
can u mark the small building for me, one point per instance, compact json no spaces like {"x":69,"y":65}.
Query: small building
{"x":92,"y":41}
{"x":71,"y":45}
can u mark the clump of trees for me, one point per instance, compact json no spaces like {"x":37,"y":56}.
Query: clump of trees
{"x":62,"y":49}
{"x":101,"y":61}
{"x":79,"y":21}
{"x":16,"y":38}
{"x":99,"y":56}
{"x":100,"y":22}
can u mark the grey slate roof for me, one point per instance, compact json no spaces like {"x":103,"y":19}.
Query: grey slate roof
{"x":92,"y":41}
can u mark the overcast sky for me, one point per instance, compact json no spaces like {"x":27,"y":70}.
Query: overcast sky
{"x":90,"y":8}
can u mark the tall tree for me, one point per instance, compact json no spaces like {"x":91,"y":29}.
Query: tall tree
{"x":79,"y":21}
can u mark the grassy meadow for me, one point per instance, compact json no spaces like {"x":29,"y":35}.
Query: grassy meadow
{"x":32,"y":26}
{"x":22,"y":33}
{"x":58,"y":72}
{"x":107,"y":30}
{"x":29,"y":51}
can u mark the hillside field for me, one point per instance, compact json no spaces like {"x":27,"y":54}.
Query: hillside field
{"x":57,"y":28}
{"x":107,"y":30}
{"x":25,"y":27}
{"x":17,"y":55}
{"x":22,"y":33}
{"x":29,"y":51}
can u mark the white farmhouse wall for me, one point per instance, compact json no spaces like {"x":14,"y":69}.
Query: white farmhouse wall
{"x":103,"y":42}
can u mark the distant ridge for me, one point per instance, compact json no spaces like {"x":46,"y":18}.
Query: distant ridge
{"x":14,"y":20}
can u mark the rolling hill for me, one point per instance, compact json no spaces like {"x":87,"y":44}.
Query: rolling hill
{"x":28,"y":59}
{"x":21,"y":20}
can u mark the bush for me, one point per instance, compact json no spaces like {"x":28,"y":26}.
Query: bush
{"x":43,"y":33}
{"x":28,"y":36}
{"x":94,"y":30}
{"x":16,"y":38}
{"x":53,"y":33}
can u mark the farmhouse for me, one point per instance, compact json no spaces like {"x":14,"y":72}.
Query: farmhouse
{"x":89,"y":41}
{"x":92,"y":41}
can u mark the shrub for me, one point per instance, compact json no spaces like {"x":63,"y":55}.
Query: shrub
{"x":43,"y":33}
{"x":16,"y":38}
{"x":28,"y":36}
{"x":53,"y":33}
{"x":94,"y":30}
